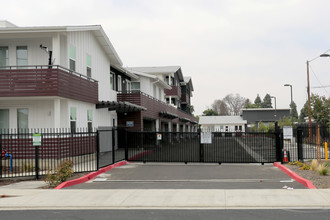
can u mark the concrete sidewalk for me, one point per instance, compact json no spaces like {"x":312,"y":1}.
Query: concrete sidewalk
{"x":164,"y":199}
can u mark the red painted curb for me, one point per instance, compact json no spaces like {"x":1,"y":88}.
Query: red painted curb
{"x":295,"y":176}
{"x":90,"y":176}
{"x":140,"y":155}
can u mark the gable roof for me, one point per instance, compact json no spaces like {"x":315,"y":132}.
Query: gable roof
{"x":97,"y":31}
{"x":212,"y":120}
{"x":160,"y":81}
{"x":161,"y":70}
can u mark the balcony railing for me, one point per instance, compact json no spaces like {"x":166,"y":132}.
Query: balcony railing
{"x":154,"y":106}
{"x":175,"y":91}
{"x":23,"y":81}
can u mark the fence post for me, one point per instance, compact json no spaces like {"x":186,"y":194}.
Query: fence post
{"x":1,"y":156}
{"x":97,"y":150}
{"x":201,"y":147}
{"x":113,"y":145}
{"x":126,"y":146}
{"x":300,"y":145}
{"x":278,"y":142}
{"x":37,"y":161}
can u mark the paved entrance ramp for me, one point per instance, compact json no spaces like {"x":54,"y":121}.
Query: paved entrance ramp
{"x":192,"y":176}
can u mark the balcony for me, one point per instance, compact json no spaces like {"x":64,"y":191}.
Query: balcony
{"x":175,"y":91}
{"x":154,"y":106}
{"x":37,"y":81}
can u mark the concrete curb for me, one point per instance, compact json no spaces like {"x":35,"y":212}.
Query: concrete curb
{"x":295,"y":176}
{"x":90,"y":176}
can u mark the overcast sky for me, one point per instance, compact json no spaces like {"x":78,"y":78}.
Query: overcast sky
{"x":247,"y":47}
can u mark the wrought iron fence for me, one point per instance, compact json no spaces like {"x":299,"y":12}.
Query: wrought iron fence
{"x":308,"y":142}
{"x":21,"y":158}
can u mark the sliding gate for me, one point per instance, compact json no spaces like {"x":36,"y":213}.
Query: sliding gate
{"x":188,"y":147}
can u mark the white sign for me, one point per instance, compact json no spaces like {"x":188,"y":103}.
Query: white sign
{"x":129,"y":123}
{"x":287,"y":132}
{"x":36,"y":138}
{"x":159,"y":137}
{"x":206,"y":138}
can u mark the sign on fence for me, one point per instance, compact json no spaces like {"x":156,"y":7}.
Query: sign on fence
{"x":206,"y":138}
{"x":287,"y":132}
{"x":159,"y":137}
{"x":36,"y":139}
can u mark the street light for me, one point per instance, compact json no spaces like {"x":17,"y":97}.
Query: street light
{"x":309,"y":94}
{"x":291,"y":112}
{"x":275,"y":105}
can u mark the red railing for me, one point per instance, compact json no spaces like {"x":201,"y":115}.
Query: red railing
{"x":153,"y":105}
{"x":44,"y":81}
{"x":175,"y":91}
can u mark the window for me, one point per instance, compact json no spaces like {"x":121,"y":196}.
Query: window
{"x":3,"y":56}
{"x":167,"y":80}
{"x":173,"y":101}
{"x":4,"y":119}
{"x":112,"y":84}
{"x":89,"y":72}
{"x":129,"y":86}
{"x":119,"y":83}
{"x":167,"y":100}
{"x":73,"y":119}
{"x":135,"y":86}
{"x":90,"y":120}
{"x":22,"y":119}
{"x":89,"y":65}
{"x":21,"y":56}
{"x":72,"y":58}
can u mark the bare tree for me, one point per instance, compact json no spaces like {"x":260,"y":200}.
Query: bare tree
{"x":220,"y":107}
{"x":234,"y":103}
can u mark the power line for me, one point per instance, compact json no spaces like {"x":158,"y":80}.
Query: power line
{"x":318,"y":79}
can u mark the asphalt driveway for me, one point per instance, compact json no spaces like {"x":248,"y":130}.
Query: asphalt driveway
{"x":191,"y":176}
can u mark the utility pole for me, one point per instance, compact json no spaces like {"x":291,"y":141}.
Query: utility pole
{"x":309,"y":104}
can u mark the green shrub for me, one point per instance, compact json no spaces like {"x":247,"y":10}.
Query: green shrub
{"x":322,"y":169}
{"x":61,"y":174}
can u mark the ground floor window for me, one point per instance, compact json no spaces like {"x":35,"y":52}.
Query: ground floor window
{"x":22,"y":119}
{"x":90,"y":120}
{"x":4,"y":119}
{"x":73,"y":119}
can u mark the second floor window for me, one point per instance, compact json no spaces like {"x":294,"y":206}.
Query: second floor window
{"x":135,"y":86}
{"x":21,"y":56}
{"x":119,"y":83}
{"x":89,"y":65}
{"x":3,"y":56}
{"x":72,"y":58}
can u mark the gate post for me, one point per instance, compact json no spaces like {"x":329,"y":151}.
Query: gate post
{"x":113,"y":145}
{"x":279,"y":146}
{"x":201,"y":147}
{"x":126,"y":144}
{"x":300,"y":145}
{"x":97,"y":150}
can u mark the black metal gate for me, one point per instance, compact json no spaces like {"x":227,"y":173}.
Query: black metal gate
{"x":187,"y":147}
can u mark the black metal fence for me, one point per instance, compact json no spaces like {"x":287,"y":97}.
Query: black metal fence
{"x":90,"y":151}
{"x":308,"y":142}
{"x":20,"y":158}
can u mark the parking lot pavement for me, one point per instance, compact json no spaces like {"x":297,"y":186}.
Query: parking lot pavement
{"x":192,"y":176}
